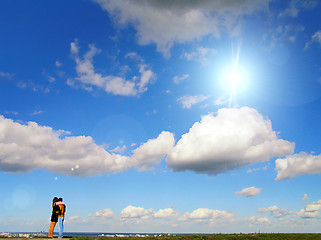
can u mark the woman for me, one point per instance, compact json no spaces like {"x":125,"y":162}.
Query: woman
{"x":54,"y":217}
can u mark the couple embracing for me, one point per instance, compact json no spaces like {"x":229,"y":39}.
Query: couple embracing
{"x":58,"y":215}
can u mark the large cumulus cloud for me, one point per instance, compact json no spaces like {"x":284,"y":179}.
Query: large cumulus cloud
{"x":231,"y":139}
{"x":26,"y":147}
{"x":168,"y":22}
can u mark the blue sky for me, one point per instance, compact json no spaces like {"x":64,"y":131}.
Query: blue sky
{"x":161,"y":116}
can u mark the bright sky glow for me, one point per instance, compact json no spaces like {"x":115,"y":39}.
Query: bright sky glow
{"x":161,"y":116}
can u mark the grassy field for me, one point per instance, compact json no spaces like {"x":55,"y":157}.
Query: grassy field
{"x":261,"y":236}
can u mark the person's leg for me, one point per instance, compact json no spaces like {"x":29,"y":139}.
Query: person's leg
{"x":51,"y":229}
{"x":61,"y":227}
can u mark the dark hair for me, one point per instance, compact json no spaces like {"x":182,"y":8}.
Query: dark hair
{"x":55,"y":199}
{"x":60,"y":199}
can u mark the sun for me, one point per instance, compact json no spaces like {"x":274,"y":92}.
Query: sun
{"x":234,"y":79}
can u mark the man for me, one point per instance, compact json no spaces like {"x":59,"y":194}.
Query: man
{"x":61,"y":216}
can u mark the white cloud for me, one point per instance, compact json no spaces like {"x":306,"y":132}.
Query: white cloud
{"x":305,"y":214}
{"x":165,"y":213}
{"x":232,"y":139}
{"x":315,"y":206}
{"x":249,"y":192}
{"x":259,"y":220}
{"x":151,"y":153}
{"x":58,"y":64}
{"x":275,"y":211}
{"x":119,"y":149}
{"x":144,"y":218}
{"x":6,"y":75}
{"x":135,"y":212}
{"x":257,"y":169}
{"x":106,"y":213}
{"x":11,"y":112}
{"x":297,"y":164}
{"x":36,"y":112}
{"x":305,"y":196}
{"x":221,"y":101}
{"x":73,"y":218}
{"x":34,"y":87}
{"x":315,"y":38}
{"x":295,"y":6}
{"x":201,"y":55}
{"x":24,"y":148}
{"x":189,"y":101}
{"x":88,"y":78}
{"x":178,"y":79}
{"x":21,"y":85}
{"x":205,"y":214}
{"x":168,"y":22}
{"x":292,"y":11}
{"x":77,"y":220}
{"x":311,"y":210}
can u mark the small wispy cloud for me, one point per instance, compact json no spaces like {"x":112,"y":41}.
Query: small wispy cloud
{"x":36,"y":112}
{"x":6,"y":75}
{"x":34,"y":87}
{"x":189,"y":101}
{"x":178,"y":79}
{"x":58,"y":64}
{"x":249,"y":192}
{"x":222,"y":100}
{"x":21,"y":85}
{"x":257,"y":169}
{"x":305,"y":196}
{"x":119,"y":149}
{"x":201,"y":55}
{"x":11,"y":112}
{"x":316,"y":38}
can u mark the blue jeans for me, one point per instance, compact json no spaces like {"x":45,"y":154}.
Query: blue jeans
{"x":61,"y":227}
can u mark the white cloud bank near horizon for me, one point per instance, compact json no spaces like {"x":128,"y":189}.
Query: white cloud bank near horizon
{"x":166,"y":23}
{"x":229,"y":140}
{"x":140,"y":216}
